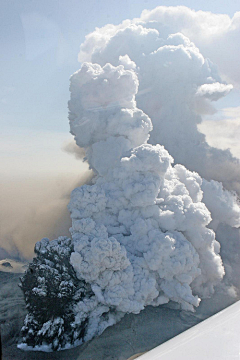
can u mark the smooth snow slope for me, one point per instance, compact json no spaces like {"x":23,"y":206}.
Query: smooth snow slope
{"x":215,"y":338}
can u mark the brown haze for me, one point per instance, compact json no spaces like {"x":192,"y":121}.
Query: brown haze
{"x":35,"y":208}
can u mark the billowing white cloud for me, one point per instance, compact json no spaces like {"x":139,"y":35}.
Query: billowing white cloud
{"x":217,"y":35}
{"x":141,"y":231}
{"x":213,"y":91}
{"x":176,"y":82}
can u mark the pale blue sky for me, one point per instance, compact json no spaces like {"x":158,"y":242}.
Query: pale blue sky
{"x":39,"y":45}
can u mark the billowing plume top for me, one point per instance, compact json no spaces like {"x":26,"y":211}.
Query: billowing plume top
{"x":103,"y":114}
{"x":176,"y":83}
{"x":94,"y":88}
{"x":217,"y":35}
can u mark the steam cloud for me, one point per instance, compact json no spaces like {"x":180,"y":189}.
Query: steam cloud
{"x":177,"y":86}
{"x":143,"y":231}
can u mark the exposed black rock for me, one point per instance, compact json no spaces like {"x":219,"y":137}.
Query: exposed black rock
{"x":6,"y":264}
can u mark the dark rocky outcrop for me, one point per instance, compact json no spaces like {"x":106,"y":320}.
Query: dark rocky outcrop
{"x":51,"y":289}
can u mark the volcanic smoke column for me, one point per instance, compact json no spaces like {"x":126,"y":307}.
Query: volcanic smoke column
{"x":139,"y":234}
{"x":177,"y":85}
{"x":139,"y":231}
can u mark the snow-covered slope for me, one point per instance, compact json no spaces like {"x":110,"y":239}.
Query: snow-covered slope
{"x":215,"y":338}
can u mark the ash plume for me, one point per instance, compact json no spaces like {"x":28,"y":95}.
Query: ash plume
{"x":71,"y":148}
{"x":177,"y":85}
{"x":34,"y":208}
{"x":139,"y":231}
{"x":143,"y":231}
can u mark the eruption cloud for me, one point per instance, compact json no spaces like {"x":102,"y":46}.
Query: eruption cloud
{"x":143,"y":231}
{"x":177,"y":85}
{"x":140,"y":199}
{"x":139,"y":232}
